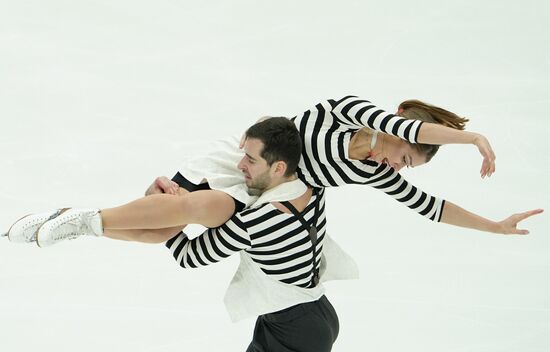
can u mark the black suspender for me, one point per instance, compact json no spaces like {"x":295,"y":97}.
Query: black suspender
{"x":312,"y":230}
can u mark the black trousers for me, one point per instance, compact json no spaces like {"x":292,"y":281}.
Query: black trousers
{"x":306,"y":327}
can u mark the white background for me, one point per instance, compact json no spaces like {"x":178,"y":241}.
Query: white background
{"x":99,"y":97}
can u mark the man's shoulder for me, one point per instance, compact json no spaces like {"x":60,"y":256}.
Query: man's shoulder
{"x":251,"y":217}
{"x":277,"y":207}
{"x":251,"y":212}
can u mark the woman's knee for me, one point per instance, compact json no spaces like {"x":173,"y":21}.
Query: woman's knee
{"x":209,"y":208}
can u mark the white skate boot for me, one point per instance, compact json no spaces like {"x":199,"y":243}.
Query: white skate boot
{"x":69,"y":225}
{"x":24,"y":230}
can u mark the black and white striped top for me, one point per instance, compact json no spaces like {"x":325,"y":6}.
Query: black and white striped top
{"x":326,"y":130}
{"x":276,"y":241}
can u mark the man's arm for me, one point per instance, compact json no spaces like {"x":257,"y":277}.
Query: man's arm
{"x":211,"y":246}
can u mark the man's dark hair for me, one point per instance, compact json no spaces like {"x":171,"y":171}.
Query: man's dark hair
{"x":281,"y":141}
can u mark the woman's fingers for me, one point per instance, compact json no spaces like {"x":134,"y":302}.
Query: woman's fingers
{"x":510,"y":224}
{"x":493,"y":162}
{"x":488,"y":165}
{"x":521,"y":232}
{"x":527,"y":214}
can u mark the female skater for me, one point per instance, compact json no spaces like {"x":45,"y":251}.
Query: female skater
{"x":341,"y":145}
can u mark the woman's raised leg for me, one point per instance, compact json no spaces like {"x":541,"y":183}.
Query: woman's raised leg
{"x":209,"y":208}
{"x":143,"y":236}
{"x":165,"y":213}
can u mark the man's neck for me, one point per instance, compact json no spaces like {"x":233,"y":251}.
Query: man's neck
{"x":275,"y":183}
{"x":300,"y":203}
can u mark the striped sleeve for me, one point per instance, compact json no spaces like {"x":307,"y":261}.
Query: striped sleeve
{"x":211,"y":246}
{"x":393,"y":184}
{"x":358,"y":113}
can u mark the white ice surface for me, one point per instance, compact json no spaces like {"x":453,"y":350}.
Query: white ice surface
{"x":99,"y":97}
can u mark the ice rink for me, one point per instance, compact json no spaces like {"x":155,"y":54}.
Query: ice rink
{"x":98,"y":97}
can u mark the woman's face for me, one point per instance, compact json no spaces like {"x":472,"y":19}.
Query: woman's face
{"x":396,"y":153}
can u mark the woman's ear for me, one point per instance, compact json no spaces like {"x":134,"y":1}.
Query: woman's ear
{"x":400,"y":111}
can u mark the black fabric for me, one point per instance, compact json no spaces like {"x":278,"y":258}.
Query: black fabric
{"x":188,"y":185}
{"x":312,"y":229}
{"x":306,"y":327}
{"x":191,"y":187}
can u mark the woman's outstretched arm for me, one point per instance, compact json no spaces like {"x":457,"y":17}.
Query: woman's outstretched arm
{"x":395,"y":185}
{"x":455,"y":215}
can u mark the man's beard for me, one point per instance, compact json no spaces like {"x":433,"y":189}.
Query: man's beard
{"x":259,"y":184}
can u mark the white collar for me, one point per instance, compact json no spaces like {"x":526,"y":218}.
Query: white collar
{"x":283,"y":192}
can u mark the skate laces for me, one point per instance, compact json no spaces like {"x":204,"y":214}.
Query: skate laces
{"x":77,"y":225}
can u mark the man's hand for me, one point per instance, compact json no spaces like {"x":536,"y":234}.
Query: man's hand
{"x":162,"y":184}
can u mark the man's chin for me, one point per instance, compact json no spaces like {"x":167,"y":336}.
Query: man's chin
{"x":254,"y":191}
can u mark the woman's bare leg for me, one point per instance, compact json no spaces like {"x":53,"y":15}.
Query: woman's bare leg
{"x":144,"y":236}
{"x":209,"y":208}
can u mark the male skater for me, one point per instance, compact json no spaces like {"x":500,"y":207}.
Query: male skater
{"x":281,"y":239}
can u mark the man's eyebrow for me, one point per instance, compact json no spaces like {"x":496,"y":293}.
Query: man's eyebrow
{"x":250,"y":157}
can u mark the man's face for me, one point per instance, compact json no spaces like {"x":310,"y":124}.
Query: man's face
{"x":257,"y":173}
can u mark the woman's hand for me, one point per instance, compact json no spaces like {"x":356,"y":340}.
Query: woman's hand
{"x":432,"y":133}
{"x":488,"y":166}
{"x":508,"y":226}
